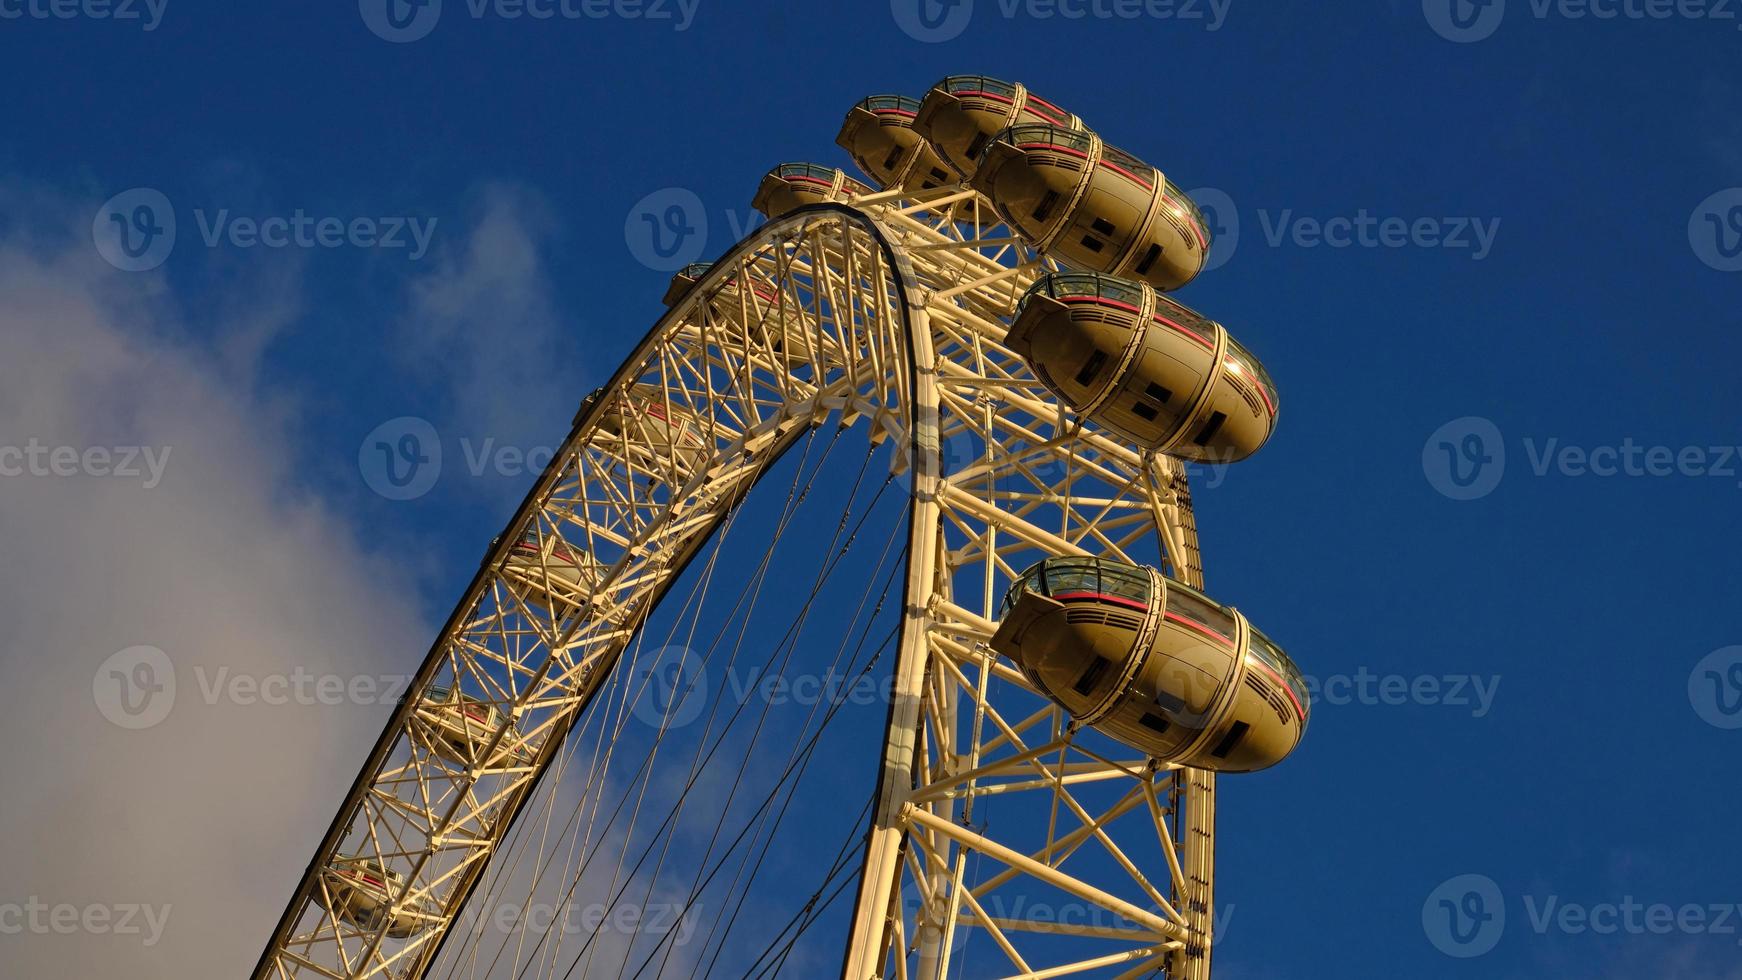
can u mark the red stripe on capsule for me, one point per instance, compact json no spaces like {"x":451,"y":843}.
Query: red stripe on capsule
{"x":983,"y":94}
{"x":1102,"y":597}
{"x":1201,"y":628}
{"x":1100,"y":300}
{"x":1052,"y":146}
{"x":1148,"y":186}
{"x":1188,"y":333}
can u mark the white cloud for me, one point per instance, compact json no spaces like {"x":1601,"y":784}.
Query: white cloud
{"x":224,"y":563}
{"x":481,"y":321}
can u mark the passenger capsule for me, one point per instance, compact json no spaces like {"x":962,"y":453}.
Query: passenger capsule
{"x":793,"y":185}
{"x":962,"y":113}
{"x":758,"y":312}
{"x":1154,"y":664}
{"x":684,"y":280}
{"x":1145,"y":367}
{"x":651,"y":435}
{"x":1093,"y":206}
{"x":879,"y":136}
{"x":459,"y":727}
{"x":361,"y":891}
{"x":550,"y":574}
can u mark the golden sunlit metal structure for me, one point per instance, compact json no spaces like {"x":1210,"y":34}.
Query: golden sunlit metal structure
{"x":882,"y":309}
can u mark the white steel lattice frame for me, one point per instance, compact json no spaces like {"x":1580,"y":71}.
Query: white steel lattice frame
{"x":888,"y":309}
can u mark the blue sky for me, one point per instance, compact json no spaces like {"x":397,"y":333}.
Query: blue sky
{"x":1526,"y":231}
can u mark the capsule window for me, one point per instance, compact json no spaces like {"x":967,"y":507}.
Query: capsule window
{"x":1103,"y":226}
{"x":1213,"y":426}
{"x":1169,"y":702}
{"x":978,"y":144}
{"x":1149,"y":257}
{"x":1230,"y":741}
{"x":1155,"y":722}
{"x":1158,"y":393}
{"x":1092,"y":243}
{"x":1089,"y":678}
{"x":1092,"y":367}
{"x":1195,"y":607}
{"x":1145,"y":411}
{"x":1043,"y":210}
{"x":892,"y":159}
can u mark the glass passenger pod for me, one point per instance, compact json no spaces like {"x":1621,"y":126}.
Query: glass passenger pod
{"x":360,"y":891}
{"x":1176,"y":675}
{"x":684,"y":280}
{"x":553,"y":576}
{"x":962,"y":114}
{"x":1071,"y":625}
{"x":643,"y":430}
{"x":726,"y":301}
{"x":1093,"y":206}
{"x":462,"y":727}
{"x":753,"y":313}
{"x":879,"y":135}
{"x":1145,"y":367}
{"x":793,"y":185}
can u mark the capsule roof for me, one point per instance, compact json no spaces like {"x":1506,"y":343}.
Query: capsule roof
{"x":1081,"y":143}
{"x":1123,"y":583}
{"x":897,"y":104}
{"x":961,"y":85}
{"x":961,"y":113}
{"x":880,"y":136}
{"x":794,"y":185}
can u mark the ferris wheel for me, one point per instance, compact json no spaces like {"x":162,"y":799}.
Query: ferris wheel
{"x":993,"y":314}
